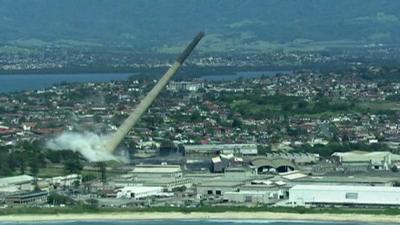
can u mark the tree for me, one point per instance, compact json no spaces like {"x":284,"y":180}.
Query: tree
{"x":88,"y":177}
{"x":54,"y":156}
{"x":103,"y":172}
{"x":57,"y":199}
{"x":236,"y":123}
{"x":22,"y":166}
{"x":34,"y":168}
{"x":76,"y":183}
{"x":195,"y":117}
{"x":5,"y":170}
{"x":263,"y":149}
{"x":73,"y":166}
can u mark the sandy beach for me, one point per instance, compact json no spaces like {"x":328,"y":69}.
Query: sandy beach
{"x":202,"y":215}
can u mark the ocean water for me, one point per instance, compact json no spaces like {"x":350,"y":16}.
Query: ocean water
{"x":193,"y":222}
{"x":245,"y":75}
{"x":29,"y":82}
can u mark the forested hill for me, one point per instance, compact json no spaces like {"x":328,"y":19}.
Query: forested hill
{"x":164,"y":24}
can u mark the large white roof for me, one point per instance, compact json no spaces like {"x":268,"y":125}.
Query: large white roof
{"x":358,"y":153}
{"x":136,"y":189}
{"x":365,"y":156}
{"x":345,"y":188}
{"x":157,"y":169}
{"x":5,"y":181}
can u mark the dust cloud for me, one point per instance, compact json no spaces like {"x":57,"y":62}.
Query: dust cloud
{"x":90,"y":145}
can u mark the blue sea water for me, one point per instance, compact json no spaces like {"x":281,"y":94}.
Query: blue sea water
{"x":29,"y":82}
{"x":193,"y":222}
{"x":245,"y":75}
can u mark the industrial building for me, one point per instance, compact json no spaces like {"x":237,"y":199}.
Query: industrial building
{"x":298,"y":158}
{"x":167,"y":176}
{"x":169,"y":184}
{"x":185,"y":86}
{"x":31,"y":198}
{"x":16,"y":180}
{"x":265,"y":165}
{"x":303,"y":195}
{"x":65,"y":181}
{"x":361,"y":156}
{"x":240,"y":172}
{"x":364,"y":161}
{"x":217,"y":188}
{"x":259,"y":192}
{"x":222,"y":162}
{"x":219,"y":164}
{"x":16,"y":184}
{"x":346,"y":180}
{"x":210,"y":149}
{"x":139,"y":192}
{"x":255,"y":197}
{"x":156,"y":171}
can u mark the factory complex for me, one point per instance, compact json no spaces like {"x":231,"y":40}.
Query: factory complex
{"x":250,"y":181}
{"x":232,"y":171}
{"x":322,"y":195}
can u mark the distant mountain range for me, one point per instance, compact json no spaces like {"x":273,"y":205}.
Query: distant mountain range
{"x":231,"y":25}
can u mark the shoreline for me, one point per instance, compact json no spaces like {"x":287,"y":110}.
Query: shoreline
{"x":203,"y":216}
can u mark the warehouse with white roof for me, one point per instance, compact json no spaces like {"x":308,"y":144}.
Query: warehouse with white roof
{"x":302,"y":195}
{"x":139,"y":192}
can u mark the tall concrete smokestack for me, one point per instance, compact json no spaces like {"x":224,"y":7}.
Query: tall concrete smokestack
{"x":123,"y":130}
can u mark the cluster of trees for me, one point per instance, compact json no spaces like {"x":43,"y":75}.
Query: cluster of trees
{"x":30,"y":157}
{"x":394,"y":98}
{"x":258,"y":106}
{"x":26,"y":159}
{"x":57,"y":199}
{"x":320,"y":106}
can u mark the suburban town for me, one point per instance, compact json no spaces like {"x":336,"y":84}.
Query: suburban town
{"x":188,"y":112}
{"x":282,"y":140}
{"x":15,"y":58}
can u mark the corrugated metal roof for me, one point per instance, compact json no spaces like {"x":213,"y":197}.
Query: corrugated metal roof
{"x":263,"y":161}
{"x":345,"y":188}
{"x":157,"y":169}
{"x":15,"y":180}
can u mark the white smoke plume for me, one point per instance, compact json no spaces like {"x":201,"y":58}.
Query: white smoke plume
{"x":90,"y":145}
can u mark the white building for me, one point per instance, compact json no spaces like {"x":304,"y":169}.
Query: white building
{"x":16,"y":180}
{"x":298,"y":158}
{"x":301,"y":195}
{"x":16,"y":183}
{"x":361,"y":156}
{"x":243,"y":149}
{"x":185,"y":86}
{"x":260,"y":197}
{"x":376,"y":160}
{"x":258,"y":191}
{"x":66,"y":181}
{"x":138,"y":192}
{"x":156,"y":171}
